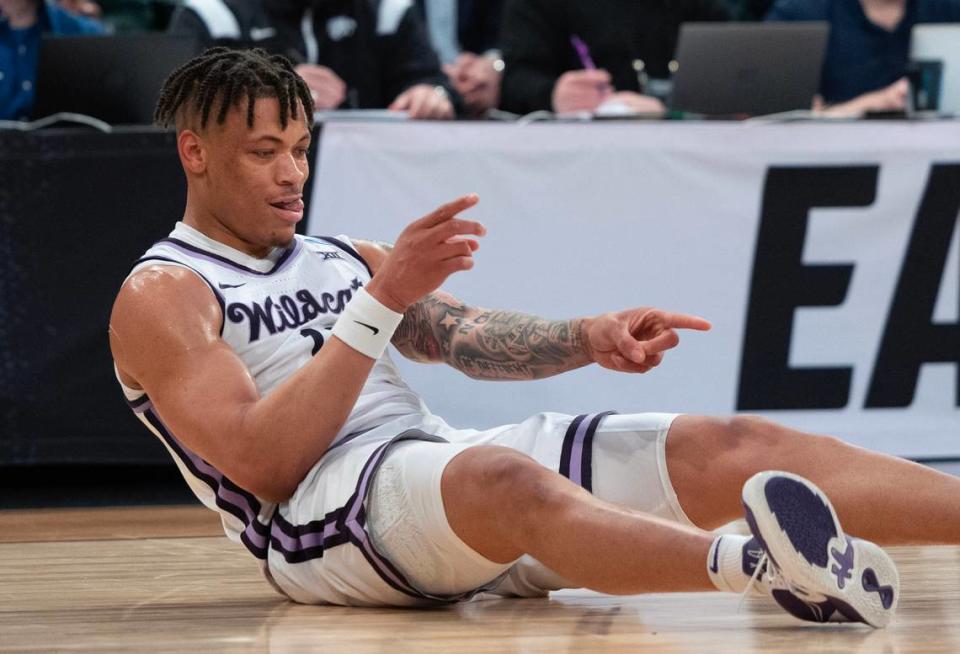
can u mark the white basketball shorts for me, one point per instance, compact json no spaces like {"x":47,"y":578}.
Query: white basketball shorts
{"x":620,"y":458}
{"x":390,"y":542}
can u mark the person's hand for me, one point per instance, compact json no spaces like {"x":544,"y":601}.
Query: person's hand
{"x":82,"y":8}
{"x":635,"y":340}
{"x":477,"y":80}
{"x":424,"y":102}
{"x":634,"y":103}
{"x":427,"y":252}
{"x":326,"y":87}
{"x":889,"y":98}
{"x":581,"y":90}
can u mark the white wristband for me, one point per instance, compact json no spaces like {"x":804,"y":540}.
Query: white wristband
{"x":366,"y":325}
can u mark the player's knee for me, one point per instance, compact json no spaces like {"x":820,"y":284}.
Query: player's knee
{"x":514,"y":480}
{"x":761,"y":443}
{"x":750,"y":438}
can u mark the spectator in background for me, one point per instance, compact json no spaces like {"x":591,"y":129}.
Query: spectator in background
{"x":21,"y":24}
{"x":748,"y":10}
{"x":353,"y":54}
{"x":868,"y":48}
{"x":466,"y":36}
{"x":120,"y":16}
{"x":631,"y":43}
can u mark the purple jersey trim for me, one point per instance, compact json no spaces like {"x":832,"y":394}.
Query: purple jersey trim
{"x":228,"y":496}
{"x":216,"y":293}
{"x":346,"y":248}
{"x":299,"y":543}
{"x":284,"y":260}
{"x":140,"y":405}
{"x":295,"y":543}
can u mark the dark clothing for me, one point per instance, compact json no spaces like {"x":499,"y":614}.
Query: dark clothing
{"x":125,"y":16}
{"x":478,"y":24}
{"x":377,"y":60}
{"x":752,"y":10}
{"x":19,"y":49}
{"x":251,"y":26}
{"x":537,"y":49}
{"x":862,"y":56}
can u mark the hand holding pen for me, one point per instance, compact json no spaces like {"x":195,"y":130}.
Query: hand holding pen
{"x":581,"y":90}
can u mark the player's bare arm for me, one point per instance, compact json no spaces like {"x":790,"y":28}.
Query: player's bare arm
{"x":488,"y":344}
{"x":164,"y":333}
{"x":165,"y":337}
{"x":509,"y":345}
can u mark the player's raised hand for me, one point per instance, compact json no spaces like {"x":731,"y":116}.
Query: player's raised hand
{"x":427,"y":251}
{"x":636,"y":339}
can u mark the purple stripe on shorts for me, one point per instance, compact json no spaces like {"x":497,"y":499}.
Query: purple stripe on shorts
{"x":365,"y":477}
{"x":576,"y":452}
{"x":257,"y":539}
{"x":383,"y":567}
{"x":355,"y":520}
{"x":586,"y":461}
{"x":304,"y":541}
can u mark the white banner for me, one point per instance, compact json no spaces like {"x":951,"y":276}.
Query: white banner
{"x":826,"y":256}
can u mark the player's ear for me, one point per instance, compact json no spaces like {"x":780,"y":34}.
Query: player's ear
{"x":193,"y":154}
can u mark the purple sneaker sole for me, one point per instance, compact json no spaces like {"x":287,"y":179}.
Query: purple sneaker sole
{"x":798,"y":529}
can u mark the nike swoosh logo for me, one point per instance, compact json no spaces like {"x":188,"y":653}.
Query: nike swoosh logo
{"x":224,"y":287}
{"x":370,"y":327}
{"x":715,"y":564}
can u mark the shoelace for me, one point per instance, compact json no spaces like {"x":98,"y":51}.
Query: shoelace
{"x":764,"y":566}
{"x":757,"y":571}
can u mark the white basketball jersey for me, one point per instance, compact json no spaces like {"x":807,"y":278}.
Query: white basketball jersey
{"x":277,"y":313}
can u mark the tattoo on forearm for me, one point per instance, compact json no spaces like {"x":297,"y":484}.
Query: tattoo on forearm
{"x":489,"y":344}
{"x":417,"y":334}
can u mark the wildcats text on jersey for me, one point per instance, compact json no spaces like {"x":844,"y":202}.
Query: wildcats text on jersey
{"x":289,"y":312}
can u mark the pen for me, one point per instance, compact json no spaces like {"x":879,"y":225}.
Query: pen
{"x":583,"y":52}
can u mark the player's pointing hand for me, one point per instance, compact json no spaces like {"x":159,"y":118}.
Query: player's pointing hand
{"x":427,"y":252}
{"x":636,"y":339}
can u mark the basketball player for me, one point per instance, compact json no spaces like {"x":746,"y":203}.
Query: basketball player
{"x":258,"y":357}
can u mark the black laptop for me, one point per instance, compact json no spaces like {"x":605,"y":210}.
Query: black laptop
{"x":748,"y":68}
{"x":114,"y":78}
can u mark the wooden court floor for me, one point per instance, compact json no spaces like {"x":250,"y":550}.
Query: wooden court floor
{"x":163,"y":579}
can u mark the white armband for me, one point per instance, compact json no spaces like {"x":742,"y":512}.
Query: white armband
{"x":366,"y":325}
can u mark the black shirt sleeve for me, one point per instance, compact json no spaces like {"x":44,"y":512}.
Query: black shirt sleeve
{"x":408,"y":59}
{"x":533,"y":40}
{"x":186,"y":21}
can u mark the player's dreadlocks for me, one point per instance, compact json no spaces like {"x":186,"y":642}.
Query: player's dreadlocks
{"x":232,"y":75}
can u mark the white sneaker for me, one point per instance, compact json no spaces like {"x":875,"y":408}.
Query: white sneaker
{"x":809,"y":566}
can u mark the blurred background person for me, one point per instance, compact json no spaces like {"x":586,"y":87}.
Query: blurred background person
{"x":123,"y":16}
{"x":22,"y":22}
{"x":748,"y":10}
{"x":466,"y":37}
{"x":353,"y":54}
{"x":868,"y":48}
{"x":622,"y":49}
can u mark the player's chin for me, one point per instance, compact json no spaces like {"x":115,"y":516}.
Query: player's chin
{"x":283,"y":236}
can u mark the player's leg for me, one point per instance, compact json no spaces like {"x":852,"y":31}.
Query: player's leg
{"x":503,"y":504}
{"x":878,"y":497}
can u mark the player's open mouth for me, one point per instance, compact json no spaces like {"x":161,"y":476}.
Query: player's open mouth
{"x":291,"y":209}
